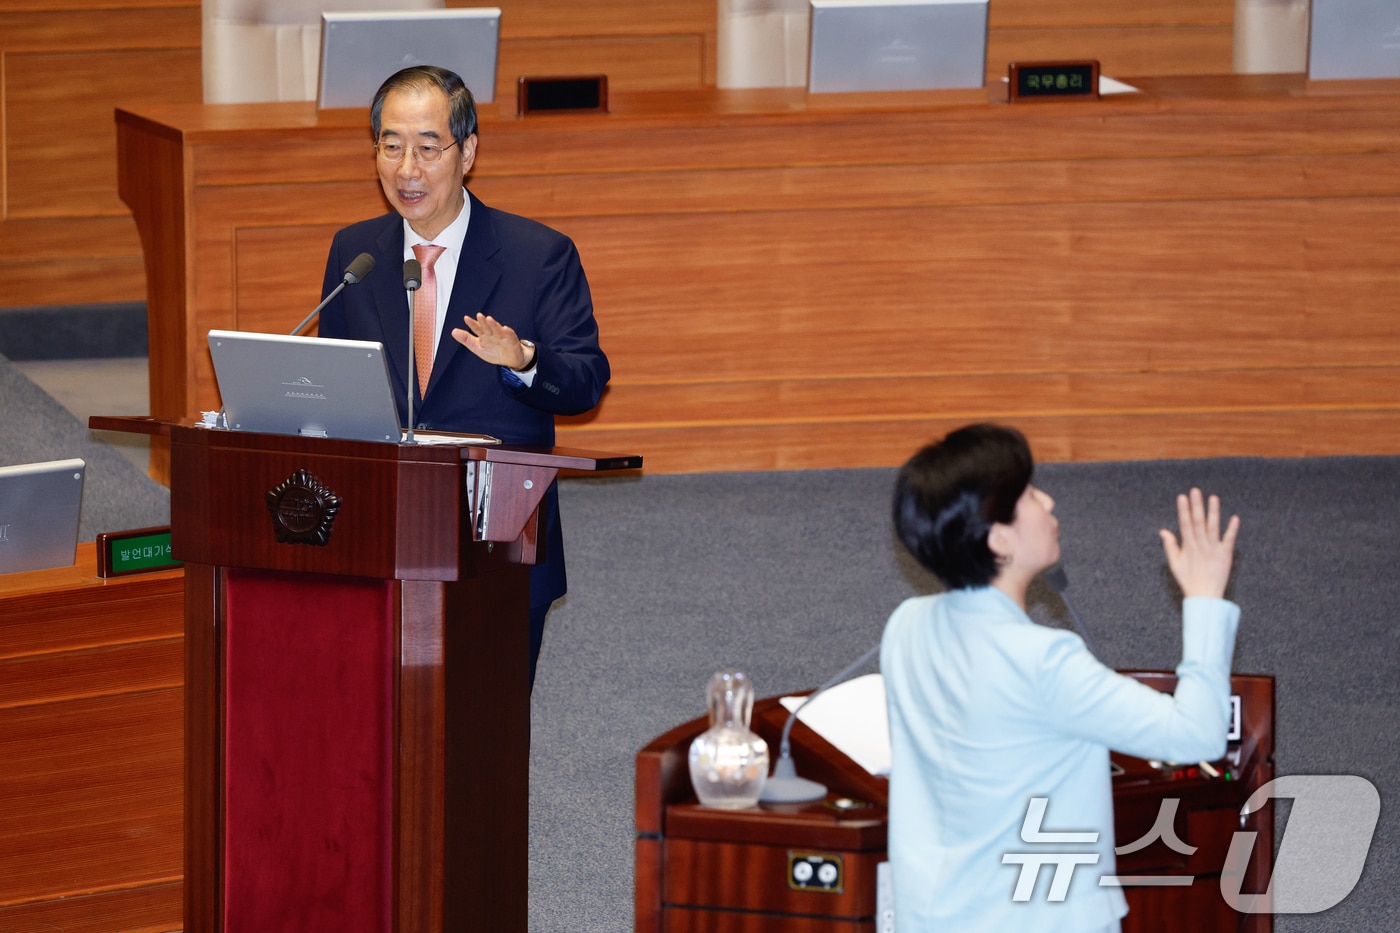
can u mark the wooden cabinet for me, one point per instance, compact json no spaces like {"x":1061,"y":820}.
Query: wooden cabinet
{"x":91,"y":700}
{"x":701,"y":870}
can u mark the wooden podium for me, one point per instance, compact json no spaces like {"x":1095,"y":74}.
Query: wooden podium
{"x":357,"y":682}
{"x":700,"y":870}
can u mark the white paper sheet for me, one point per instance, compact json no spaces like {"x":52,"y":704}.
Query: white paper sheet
{"x":852,"y":717}
{"x":1109,"y":85}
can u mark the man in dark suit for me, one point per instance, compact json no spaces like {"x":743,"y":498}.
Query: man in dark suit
{"x":527,"y":348}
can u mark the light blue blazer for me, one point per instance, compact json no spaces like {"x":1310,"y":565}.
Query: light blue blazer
{"x":988,"y":710}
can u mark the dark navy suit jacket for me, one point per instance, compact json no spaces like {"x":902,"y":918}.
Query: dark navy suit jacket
{"x":523,"y":274}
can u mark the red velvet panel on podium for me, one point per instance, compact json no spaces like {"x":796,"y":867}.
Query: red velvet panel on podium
{"x":357,"y":681}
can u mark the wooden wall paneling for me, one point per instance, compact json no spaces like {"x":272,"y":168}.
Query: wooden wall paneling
{"x":537,"y":18}
{"x":1055,"y":438}
{"x":1230,"y":267}
{"x":55,"y":678}
{"x":1340,"y":433}
{"x":271,"y":297}
{"x":1041,"y":152}
{"x":630,"y":62}
{"x":1323,"y":425}
{"x":147,"y":909}
{"x":1006,"y":14}
{"x":1166,"y":37}
{"x":650,"y":44}
{"x":39,"y":264}
{"x":94,"y":615}
{"x":1185,"y":114}
{"x":909,"y":396}
{"x":343,"y":152}
{"x":96,"y":776}
{"x":56,"y":120}
{"x":1350,"y":293}
{"x":1120,"y":50}
{"x":67,"y":64}
{"x":54,"y":6}
{"x":681,"y":191}
{"x":91,"y":702}
{"x":1099,"y":286}
{"x":94,"y":24}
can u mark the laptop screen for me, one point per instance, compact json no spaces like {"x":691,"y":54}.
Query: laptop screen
{"x":311,"y":386}
{"x":897,"y":45}
{"x":40,"y":504}
{"x":1353,"y":39}
{"x":360,"y":50}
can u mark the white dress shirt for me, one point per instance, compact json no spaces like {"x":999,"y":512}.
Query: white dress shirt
{"x":445,"y":270}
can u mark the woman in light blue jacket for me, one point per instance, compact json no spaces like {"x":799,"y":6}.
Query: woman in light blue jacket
{"x":1001,"y":803}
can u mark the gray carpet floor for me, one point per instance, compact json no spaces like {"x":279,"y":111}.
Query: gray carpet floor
{"x":34,"y":426}
{"x":790,"y":576}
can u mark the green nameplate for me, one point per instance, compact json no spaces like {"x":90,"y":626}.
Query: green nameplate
{"x":139,"y":551}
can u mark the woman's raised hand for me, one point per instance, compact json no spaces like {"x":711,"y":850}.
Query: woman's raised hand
{"x":1201,"y":560}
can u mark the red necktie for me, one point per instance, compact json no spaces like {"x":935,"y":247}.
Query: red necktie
{"x":425,"y":314}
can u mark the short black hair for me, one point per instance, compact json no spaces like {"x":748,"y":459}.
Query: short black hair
{"x":950,"y":493}
{"x":461,"y":106}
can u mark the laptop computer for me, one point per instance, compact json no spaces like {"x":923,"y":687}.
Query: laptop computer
{"x":40,"y":504}
{"x":310,"y":386}
{"x":360,"y":50}
{"x":897,"y":45}
{"x":1354,"y":39}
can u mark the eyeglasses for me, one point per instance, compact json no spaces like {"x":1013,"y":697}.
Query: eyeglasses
{"x":394,"y":152}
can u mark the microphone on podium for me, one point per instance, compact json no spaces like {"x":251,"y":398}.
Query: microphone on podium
{"x":784,"y":786}
{"x":1057,"y":580}
{"x":359,"y":267}
{"x":412,"y":281}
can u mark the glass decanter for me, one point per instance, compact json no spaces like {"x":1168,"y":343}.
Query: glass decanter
{"x":729,"y":762}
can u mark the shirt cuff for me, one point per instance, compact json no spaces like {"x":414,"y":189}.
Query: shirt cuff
{"x":519,"y":379}
{"x":1208,"y":628}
